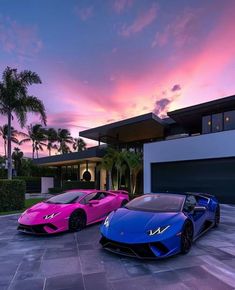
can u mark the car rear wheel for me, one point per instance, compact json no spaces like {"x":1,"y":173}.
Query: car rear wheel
{"x":217,"y":216}
{"x":77,"y":221}
{"x":124,"y":202}
{"x":186,"y":237}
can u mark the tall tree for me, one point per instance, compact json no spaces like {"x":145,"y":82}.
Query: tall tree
{"x":107,"y":163}
{"x":64,"y":140}
{"x":51,"y":136}
{"x":4,"y":134}
{"x":134,"y":161}
{"x":36,"y":135}
{"x":79,"y":144}
{"x":17,"y":156}
{"x":14,"y":99}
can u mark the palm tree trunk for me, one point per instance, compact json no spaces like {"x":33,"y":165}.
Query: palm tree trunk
{"x":9,"y":158}
{"x":33,"y":150}
{"x":5,"y":147}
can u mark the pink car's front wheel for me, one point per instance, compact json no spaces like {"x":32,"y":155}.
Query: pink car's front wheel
{"x":77,"y":221}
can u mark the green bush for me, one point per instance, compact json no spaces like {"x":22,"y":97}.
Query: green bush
{"x":33,"y":184}
{"x":55,"y":190}
{"x":12,"y":194}
{"x":79,"y":185}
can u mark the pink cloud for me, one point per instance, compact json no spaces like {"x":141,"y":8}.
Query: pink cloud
{"x":18,"y":39}
{"x":122,"y":5}
{"x":181,"y":30}
{"x":142,"y":21}
{"x":84,"y":13}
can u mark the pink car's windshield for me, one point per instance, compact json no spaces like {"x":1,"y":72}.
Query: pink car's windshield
{"x":65,"y":198}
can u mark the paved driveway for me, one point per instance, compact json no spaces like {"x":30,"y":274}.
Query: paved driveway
{"x":76,"y":261}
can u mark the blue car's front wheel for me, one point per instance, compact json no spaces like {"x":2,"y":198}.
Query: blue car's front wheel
{"x":186,"y":237}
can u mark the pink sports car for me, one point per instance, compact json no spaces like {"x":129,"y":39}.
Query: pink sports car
{"x":72,"y":211}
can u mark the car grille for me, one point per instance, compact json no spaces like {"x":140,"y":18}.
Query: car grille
{"x":134,"y":250}
{"x":37,"y":229}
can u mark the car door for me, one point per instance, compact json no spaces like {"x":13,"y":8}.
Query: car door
{"x":99,"y":210}
{"x":198,"y":217}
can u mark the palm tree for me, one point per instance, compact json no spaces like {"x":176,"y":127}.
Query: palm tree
{"x":64,"y":139}
{"x":14,"y":99}
{"x":51,"y":136}
{"x":17,"y":156}
{"x":108,"y":162}
{"x":36,"y":135}
{"x":79,"y":144}
{"x":4,"y":134}
{"x":134,"y":161}
{"x":120,"y":165}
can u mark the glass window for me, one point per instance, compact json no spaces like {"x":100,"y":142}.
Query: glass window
{"x":217,"y":122}
{"x":65,"y":198}
{"x":229,"y":120}
{"x":206,"y":124}
{"x":164,"y":202}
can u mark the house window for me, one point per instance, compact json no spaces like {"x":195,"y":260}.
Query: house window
{"x":206,"y":124}
{"x":229,"y":120}
{"x":217,"y":122}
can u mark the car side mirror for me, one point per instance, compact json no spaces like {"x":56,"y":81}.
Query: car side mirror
{"x":199,"y":208}
{"x":93,"y":202}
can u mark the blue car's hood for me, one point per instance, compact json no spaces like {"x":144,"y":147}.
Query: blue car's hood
{"x":132,"y":226}
{"x":137,"y":221}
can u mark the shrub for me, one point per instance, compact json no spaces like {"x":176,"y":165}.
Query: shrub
{"x":79,"y":185}
{"x":12,"y":194}
{"x":55,"y":190}
{"x":33,"y":184}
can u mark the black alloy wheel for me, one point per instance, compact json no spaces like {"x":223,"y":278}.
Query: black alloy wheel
{"x":186,"y":237}
{"x":217,"y":216}
{"x":77,"y":221}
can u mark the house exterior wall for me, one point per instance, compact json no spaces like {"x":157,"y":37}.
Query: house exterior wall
{"x":216,"y":145}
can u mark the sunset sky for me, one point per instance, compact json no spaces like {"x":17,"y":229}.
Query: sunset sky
{"x":105,"y":60}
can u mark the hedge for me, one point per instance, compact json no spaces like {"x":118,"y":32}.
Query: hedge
{"x":55,"y":190}
{"x":78,"y":185}
{"x":33,"y":184}
{"x":12,"y":194}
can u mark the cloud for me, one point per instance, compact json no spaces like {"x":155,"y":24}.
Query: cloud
{"x":161,"y":107}
{"x":176,"y":88}
{"x":121,"y":5}
{"x":142,"y":21}
{"x":182,"y":30}
{"x":84,"y":13}
{"x":19,"y":39}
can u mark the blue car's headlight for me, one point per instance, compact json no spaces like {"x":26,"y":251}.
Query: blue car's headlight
{"x":51,"y":216}
{"x":158,"y":231}
{"x":106,"y":222}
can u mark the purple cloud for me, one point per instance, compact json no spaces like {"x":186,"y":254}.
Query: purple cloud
{"x":161,"y":107}
{"x":176,"y":88}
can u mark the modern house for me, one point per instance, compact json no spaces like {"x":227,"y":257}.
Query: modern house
{"x":193,"y":149}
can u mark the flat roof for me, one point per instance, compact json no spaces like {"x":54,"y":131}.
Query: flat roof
{"x":93,"y":154}
{"x":134,"y":129}
{"x":191,"y":117}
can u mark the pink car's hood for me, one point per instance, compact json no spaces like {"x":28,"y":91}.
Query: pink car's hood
{"x":36,"y":213}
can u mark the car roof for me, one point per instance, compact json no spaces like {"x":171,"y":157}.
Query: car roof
{"x":85,"y":191}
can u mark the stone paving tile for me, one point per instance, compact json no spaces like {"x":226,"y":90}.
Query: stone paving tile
{"x":60,"y":266}
{"x":68,"y":282}
{"x":34,"y":284}
{"x":73,"y":261}
{"x":96,"y":281}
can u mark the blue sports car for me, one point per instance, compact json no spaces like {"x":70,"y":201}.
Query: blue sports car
{"x":159,"y":225}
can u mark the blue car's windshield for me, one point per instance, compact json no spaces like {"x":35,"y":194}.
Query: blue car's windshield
{"x":67,"y":197}
{"x":163,"y":202}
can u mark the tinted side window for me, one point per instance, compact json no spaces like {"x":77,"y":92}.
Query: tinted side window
{"x":217,"y":122}
{"x":87,"y":198}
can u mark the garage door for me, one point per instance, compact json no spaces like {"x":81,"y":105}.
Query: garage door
{"x":214,"y":176}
